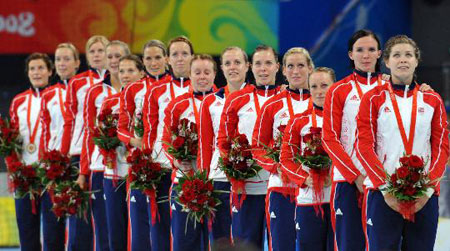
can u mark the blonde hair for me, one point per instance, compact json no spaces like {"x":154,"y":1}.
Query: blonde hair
{"x":94,"y":39}
{"x":125,"y":47}
{"x":299,"y":50}
{"x":327,"y":70}
{"x":70,"y":46}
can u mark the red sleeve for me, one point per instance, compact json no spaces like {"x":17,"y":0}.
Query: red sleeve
{"x":89,"y":115}
{"x":290,"y":147}
{"x":263,"y":134}
{"x":150,"y":113}
{"x":229,"y":120}
{"x":332,"y":124}
{"x":205,"y":135}
{"x":172,"y":116}
{"x":71,"y":105}
{"x":365,"y":138}
{"x":45,"y":123}
{"x":127,"y":107}
{"x":439,"y":140}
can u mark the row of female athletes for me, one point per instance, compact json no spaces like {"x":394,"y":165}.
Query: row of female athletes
{"x":360,"y":134}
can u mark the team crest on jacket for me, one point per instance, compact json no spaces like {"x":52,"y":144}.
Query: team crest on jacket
{"x":386,"y":109}
{"x":250,"y":110}
{"x":421,"y":110}
{"x":166,"y":100}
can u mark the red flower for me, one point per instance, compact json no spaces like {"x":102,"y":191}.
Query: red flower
{"x":415,"y":161}
{"x":178,"y":142}
{"x":243,"y":139}
{"x":72,"y":210}
{"x":112,"y":132}
{"x":242,"y":165}
{"x":282,"y":128}
{"x":315,"y":130}
{"x":415,"y":177}
{"x":246,"y":154}
{"x":410,"y":191}
{"x":404,"y":161}
{"x":402,"y":172}
{"x":308,"y":152}
{"x":394,"y":179}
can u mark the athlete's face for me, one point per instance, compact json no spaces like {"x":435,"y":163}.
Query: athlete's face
{"x":180,"y":58}
{"x":297,"y":71}
{"x":365,"y":54}
{"x":128,"y":72}
{"x":96,"y":56}
{"x":154,"y":60}
{"x":402,"y":62}
{"x":38,"y":73}
{"x":65,"y":63}
{"x":113,"y":55}
{"x":319,"y":82}
{"x":234,"y":67}
{"x":202,"y":75}
{"x":264,"y":67}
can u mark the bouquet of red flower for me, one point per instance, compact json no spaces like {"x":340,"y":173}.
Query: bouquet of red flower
{"x":196,"y":195}
{"x":69,"y":199}
{"x":55,"y":168}
{"x":138,"y":125}
{"x":184,"y":141}
{"x":407,"y":183}
{"x":23,"y":180}
{"x":274,"y":151}
{"x":315,"y":157}
{"x":10,"y":141}
{"x":144,"y":174}
{"x":105,"y":137}
{"x":238,"y":166}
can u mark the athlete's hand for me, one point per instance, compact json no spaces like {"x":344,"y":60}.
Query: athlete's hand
{"x":183,"y":165}
{"x":392,"y":202}
{"x":136,"y":142}
{"x":327,"y":182}
{"x":425,"y":87}
{"x":420,"y":203}
{"x":359,"y":183}
{"x":81,"y":181}
{"x":309,"y":181}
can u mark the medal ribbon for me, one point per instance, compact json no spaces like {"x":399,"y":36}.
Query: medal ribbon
{"x":172,"y":91}
{"x":407,"y":142}
{"x":32,"y":134}
{"x":227,"y":91}
{"x":196,"y":114}
{"x":313,"y":117}
{"x":358,"y":88}
{"x":290,"y":107}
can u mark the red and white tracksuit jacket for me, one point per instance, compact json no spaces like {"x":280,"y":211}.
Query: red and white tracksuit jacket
{"x":239,"y":116}
{"x":379,"y":145}
{"x":90,"y":158}
{"x":131,"y":101}
{"x":73,"y":120}
{"x":121,"y":170}
{"x":208,"y":152}
{"x":339,"y":127}
{"x":52,"y":117}
{"x":274,"y":113}
{"x":27,"y":103}
{"x":298,"y":127}
{"x":155,"y":102}
{"x":182,"y":107}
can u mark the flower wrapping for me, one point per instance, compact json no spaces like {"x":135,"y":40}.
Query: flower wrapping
{"x":184,"y":140}
{"x":314,"y":156}
{"x":197,"y":197}
{"x":69,"y":199}
{"x":238,"y":165}
{"x":145,"y":175}
{"x":55,"y":168}
{"x":105,"y":137}
{"x":409,"y":182}
{"x":138,"y":125}
{"x":23,"y":180}
{"x":10,"y":140}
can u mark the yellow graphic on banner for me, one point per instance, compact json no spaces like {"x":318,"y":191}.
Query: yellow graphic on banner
{"x":9,"y":235}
